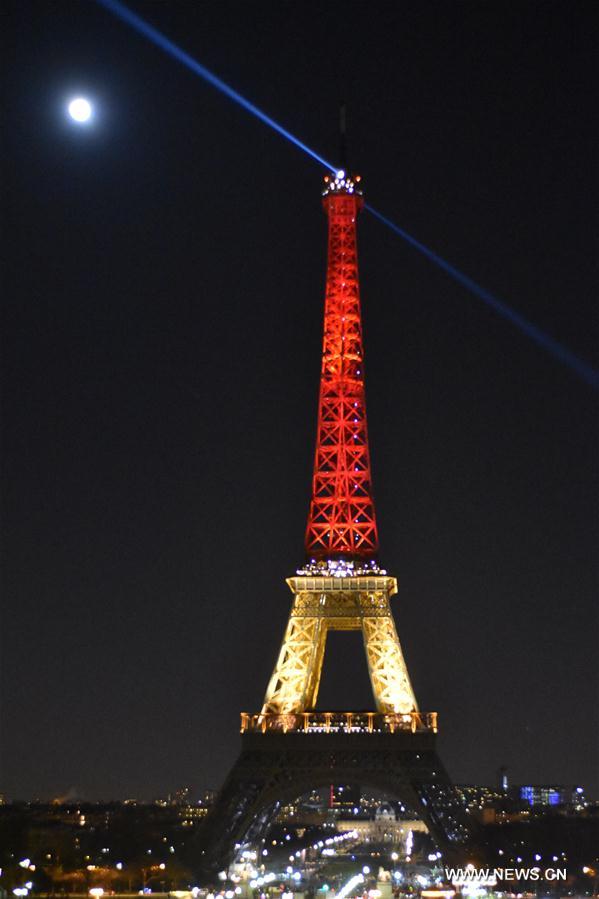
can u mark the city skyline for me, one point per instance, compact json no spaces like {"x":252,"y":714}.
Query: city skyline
{"x":161,"y":371}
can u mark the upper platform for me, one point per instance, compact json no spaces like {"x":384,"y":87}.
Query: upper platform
{"x":342,"y":183}
{"x":342,"y":576}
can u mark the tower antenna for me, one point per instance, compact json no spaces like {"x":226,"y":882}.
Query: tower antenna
{"x":343,"y":136}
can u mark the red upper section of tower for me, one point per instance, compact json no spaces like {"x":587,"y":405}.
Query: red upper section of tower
{"x":341,"y":521}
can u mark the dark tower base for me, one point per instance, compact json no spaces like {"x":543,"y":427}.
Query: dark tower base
{"x":275,"y":768}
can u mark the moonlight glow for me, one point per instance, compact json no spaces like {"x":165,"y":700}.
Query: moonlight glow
{"x":80,"y":109}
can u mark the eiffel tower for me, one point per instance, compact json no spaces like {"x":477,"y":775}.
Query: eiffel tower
{"x":289,"y":748}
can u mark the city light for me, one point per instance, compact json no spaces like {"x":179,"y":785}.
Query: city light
{"x":349,"y":886}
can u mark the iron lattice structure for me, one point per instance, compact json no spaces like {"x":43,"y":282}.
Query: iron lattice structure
{"x":342,"y":521}
{"x":322,"y":604}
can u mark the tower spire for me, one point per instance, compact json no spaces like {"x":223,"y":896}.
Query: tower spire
{"x":341,"y":520}
{"x":343,"y":137}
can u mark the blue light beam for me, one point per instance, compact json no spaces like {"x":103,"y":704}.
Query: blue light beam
{"x":548,"y":343}
{"x":583,"y":369}
{"x":156,"y":37}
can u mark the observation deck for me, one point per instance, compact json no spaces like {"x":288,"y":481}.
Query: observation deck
{"x":339,"y":722}
{"x":341,"y":182}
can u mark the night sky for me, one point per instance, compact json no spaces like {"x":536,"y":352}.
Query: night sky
{"x":162,"y":315}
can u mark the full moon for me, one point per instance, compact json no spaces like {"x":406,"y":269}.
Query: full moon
{"x":80,"y":109}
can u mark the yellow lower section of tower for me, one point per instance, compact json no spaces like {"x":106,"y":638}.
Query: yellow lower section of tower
{"x":322,"y":604}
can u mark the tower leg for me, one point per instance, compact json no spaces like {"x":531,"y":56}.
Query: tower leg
{"x":386,"y":665}
{"x":296,"y":678}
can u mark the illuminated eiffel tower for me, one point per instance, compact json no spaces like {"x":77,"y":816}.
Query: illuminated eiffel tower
{"x":289,"y":748}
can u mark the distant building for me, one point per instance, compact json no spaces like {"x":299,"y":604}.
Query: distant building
{"x":536,"y":795}
{"x":476,"y":797}
{"x":179,"y":797}
{"x":502,"y":779}
{"x":383,"y":829}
